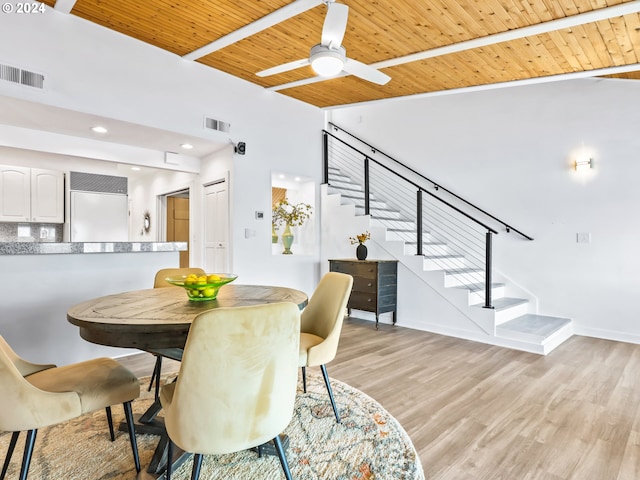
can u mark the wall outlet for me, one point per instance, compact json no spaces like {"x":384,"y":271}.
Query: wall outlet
{"x":583,"y":237}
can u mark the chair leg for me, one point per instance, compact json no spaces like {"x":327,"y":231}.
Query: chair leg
{"x":128,"y":413}
{"x":282,"y":456}
{"x":28,"y":453}
{"x":157,"y":368}
{"x":167,"y":473}
{"x":7,"y":460}
{"x":326,"y":382}
{"x":304,"y":379}
{"x":110,"y":422}
{"x":197,"y":465}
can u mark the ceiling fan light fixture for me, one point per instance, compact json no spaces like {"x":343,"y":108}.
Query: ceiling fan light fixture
{"x":327,"y":62}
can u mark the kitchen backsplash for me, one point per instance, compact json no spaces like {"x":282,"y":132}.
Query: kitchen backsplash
{"x":31,"y":232}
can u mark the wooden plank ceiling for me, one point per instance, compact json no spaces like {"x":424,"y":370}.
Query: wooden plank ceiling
{"x":382,"y":30}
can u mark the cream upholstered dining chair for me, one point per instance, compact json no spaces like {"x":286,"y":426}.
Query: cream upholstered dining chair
{"x":160,"y":282}
{"x":321,"y":325}
{"x":36,"y":396}
{"x":237,"y":383}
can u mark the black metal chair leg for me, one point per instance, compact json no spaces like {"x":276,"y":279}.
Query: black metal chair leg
{"x":326,"y":382}
{"x":157,"y":368}
{"x":304,"y":379}
{"x":167,"y":474}
{"x":197,"y":465}
{"x":110,"y":422}
{"x":128,"y":413}
{"x":282,"y":456}
{"x":28,"y":453}
{"x":7,"y":459}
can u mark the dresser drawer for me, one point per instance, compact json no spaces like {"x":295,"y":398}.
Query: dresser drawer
{"x":360,"y":269}
{"x":364,"y":284}
{"x":363,"y":301}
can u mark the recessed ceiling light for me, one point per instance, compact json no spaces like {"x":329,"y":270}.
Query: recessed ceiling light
{"x":187,"y":146}
{"x":137,"y":169}
{"x":99,"y":129}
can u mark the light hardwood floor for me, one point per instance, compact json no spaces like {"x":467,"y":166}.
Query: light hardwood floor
{"x":481,"y":412}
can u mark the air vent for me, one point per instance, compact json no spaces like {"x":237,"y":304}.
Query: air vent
{"x":22,"y":77}
{"x":91,"y":182}
{"x":219,"y":125}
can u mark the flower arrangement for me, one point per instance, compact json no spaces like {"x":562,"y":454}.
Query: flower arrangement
{"x":363,"y":237}
{"x":292,"y":215}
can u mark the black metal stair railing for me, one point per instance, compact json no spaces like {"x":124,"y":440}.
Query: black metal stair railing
{"x":446,"y":235}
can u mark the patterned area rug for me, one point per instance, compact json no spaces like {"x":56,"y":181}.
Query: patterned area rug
{"x":369,"y":444}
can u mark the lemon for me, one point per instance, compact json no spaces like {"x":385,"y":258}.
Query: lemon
{"x":213,"y":278}
{"x":209,"y":292}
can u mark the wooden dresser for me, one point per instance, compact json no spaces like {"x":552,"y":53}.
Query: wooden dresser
{"x":375,"y":284}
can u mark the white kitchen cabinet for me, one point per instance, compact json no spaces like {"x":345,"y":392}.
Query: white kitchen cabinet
{"x":31,"y":195}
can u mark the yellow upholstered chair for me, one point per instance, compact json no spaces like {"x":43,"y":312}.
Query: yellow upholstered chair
{"x":321,"y":324}
{"x":160,"y":282}
{"x":48,"y":395}
{"x":237,"y":383}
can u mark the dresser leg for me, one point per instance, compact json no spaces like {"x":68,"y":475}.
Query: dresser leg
{"x":394,"y":317}
{"x":376,"y":321}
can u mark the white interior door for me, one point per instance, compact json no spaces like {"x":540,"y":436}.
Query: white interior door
{"x":216,"y":227}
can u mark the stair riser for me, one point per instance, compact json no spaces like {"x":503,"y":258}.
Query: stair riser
{"x":336,"y":185}
{"x":454,"y":280}
{"x":382,"y":214}
{"x":507,"y":314}
{"x":477,"y":298}
{"x":443,"y":263}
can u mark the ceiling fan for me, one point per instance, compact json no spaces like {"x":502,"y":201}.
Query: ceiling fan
{"x":329,"y":58}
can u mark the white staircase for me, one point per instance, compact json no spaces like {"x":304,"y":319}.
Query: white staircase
{"x":511,"y":322}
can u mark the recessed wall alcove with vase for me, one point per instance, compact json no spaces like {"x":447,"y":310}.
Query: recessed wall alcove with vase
{"x":296,"y":190}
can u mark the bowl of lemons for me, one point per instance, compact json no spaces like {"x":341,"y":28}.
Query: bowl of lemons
{"x":201,"y":288}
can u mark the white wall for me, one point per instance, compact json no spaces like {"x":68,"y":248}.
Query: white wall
{"x":510,"y":152}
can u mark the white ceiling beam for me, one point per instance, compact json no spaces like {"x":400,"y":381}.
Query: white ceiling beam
{"x":545,"y":27}
{"x":280,"y":15}
{"x":513,"y":83}
{"x":64,"y":6}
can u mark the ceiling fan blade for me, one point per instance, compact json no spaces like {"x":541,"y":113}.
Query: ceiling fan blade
{"x":285,"y":67}
{"x":335,"y":24}
{"x":365,"y":72}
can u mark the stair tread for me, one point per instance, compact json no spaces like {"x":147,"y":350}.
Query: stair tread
{"x":442,"y":257}
{"x":478,"y":287}
{"x":538,"y":325}
{"x":508,"y":302}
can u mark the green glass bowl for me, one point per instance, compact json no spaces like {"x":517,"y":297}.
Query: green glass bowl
{"x":200,"y":290}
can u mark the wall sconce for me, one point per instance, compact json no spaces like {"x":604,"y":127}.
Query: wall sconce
{"x":582,"y":164}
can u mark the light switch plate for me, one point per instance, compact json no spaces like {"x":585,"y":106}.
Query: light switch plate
{"x":583,"y":237}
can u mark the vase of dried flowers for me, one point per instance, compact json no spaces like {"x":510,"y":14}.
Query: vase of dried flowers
{"x":361,"y":249}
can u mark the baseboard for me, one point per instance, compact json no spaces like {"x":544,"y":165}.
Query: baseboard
{"x":606,"y":334}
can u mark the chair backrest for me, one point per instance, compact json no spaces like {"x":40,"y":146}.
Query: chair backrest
{"x":160,"y":281}
{"x":24,"y":367}
{"x":324,"y":314}
{"x":238,"y":378}
{"x":25,"y":407}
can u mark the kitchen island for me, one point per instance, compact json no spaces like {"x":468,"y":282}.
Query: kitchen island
{"x":41,"y":280}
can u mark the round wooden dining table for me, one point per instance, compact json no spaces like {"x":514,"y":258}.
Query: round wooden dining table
{"x":159,"y":318}
{"x":157,"y":321}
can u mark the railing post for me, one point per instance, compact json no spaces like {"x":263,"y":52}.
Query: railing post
{"x":366,"y":186}
{"x":419,"y":222}
{"x":487,"y":273}
{"x":325,"y":157}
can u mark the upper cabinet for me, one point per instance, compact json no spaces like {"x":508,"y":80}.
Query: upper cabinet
{"x":31,"y":195}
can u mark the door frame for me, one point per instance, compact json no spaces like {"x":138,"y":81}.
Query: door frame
{"x":161,"y":224}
